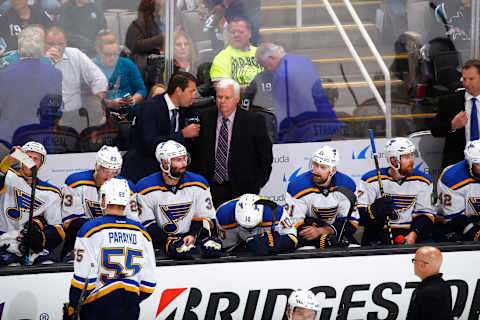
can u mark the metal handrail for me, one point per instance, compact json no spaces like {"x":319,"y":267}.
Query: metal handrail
{"x":299,"y":17}
{"x":385,"y":105}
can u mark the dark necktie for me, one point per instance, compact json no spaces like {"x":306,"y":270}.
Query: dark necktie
{"x":474,"y":121}
{"x":173,"y":120}
{"x":221,"y":174}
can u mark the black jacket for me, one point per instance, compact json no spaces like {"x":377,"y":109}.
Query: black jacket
{"x":249,"y":156}
{"x":151,"y":126}
{"x":432,"y":299}
{"x":448,"y":107}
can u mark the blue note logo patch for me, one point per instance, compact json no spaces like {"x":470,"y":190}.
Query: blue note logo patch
{"x":22,"y":199}
{"x":325,"y":214}
{"x":401,"y":203}
{"x":174,"y":213}
{"x":474,"y":203}
{"x":94,"y":208}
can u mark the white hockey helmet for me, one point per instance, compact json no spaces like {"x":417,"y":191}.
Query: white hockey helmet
{"x":302,"y":299}
{"x":472,"y":155}
{"x":109,"y":158}
{"x":326,"y":155}
{"x":247,"y":213}
{"x":395,"y":148}
{"x":116,"y":191}
{"x":167,"y":151}
{"x":35,"y":147}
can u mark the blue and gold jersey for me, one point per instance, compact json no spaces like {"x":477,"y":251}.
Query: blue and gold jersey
{"x":458,"y":193}
{"x":232,"y":234}
{"x":80,"y":198}
{"x":305,"y":199}
{"x":412,"y":196}
{"x":173,"y":209}
{"x":115,"y":254}
{"x":15,"y":199}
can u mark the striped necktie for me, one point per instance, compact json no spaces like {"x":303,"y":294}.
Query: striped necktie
{"x":173,"y":120}
{"x":221,"y":171}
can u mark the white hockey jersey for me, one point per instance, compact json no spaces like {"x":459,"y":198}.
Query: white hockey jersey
{"x":114,"y":253}
{"x":232,"y":234}
{"x":305,"y":199}
{"x":15,"y":199}
{"x":80,"y":198}
{"x":412,"y":196}
{"x":458,"y":193}
{"x":174,"y":211}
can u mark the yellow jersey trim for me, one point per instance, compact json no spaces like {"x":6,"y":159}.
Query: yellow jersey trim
{"x":116,"y":225}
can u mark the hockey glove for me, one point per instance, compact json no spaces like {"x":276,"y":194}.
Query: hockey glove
{"x":262,"y":244}
{"x":177,"y":249}
{"x":380,"y":209}
{"x":211,"y":247}
{"x":473,"y":234}
{"x":328,"y":241}
{"x":35,"y":239}
{"x":68,"y":311}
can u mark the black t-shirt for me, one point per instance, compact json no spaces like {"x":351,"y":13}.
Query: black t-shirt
{"x":259,"y":92}
{"x":11,"y":24}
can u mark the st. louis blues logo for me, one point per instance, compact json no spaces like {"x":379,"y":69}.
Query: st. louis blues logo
{"x":401,"y":203}
{"x":325,"y":214}
{"x":474,"y":203}
{"x":94,"y":208}
{"x":22,"y":199}
{"x":174,"y":213}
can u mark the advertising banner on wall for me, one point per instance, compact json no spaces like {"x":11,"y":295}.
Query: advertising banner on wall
{"x":368,"y":287}
{"x":289,"y":161}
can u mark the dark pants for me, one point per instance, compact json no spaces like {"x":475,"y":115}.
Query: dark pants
{"x":221,"y":193}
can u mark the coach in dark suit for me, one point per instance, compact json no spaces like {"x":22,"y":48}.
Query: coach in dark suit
{"x":432,"y":298}
{"x":160,"y":119}
{"x":457,"y":118}
{"x":233,"y":151}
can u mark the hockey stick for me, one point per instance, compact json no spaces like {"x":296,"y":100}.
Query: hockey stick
{"x":353,"y":200}
{"x":24,"y":159}
{"x":380,"y":184}
{"x":83,"y":293}
{"x":354,"y":96}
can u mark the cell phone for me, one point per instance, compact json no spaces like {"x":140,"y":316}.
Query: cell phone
{"x":127,"y":95}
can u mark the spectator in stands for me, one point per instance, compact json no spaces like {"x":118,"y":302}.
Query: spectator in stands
{"x":18,"y":106}
{"x":237,"y":60}
{"x":46,"y":232}
{"x":125,"y":84}
{"x":19,"y":16}
{"x":49,"y":5}
{"x":458,"y":119}
{"x":300,"y":105}
{"x":229,"y":9}
{"x":233,"y":151}
{"x":156,"y":90}
{"x":160,"y":119}
{"x":107,"y":133}
{"x":77,"y":68}
{"x":82,"y":20}
{"x":14,"y":58}
{"x":184,"y":52}
{"x":54,"y":137}
{"x":145,"y":36}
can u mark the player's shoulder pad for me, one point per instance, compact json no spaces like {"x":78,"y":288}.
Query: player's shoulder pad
{"x":300,"y":184}
{"x":150,"y":183}
{"x":131,"y":185}
{"x":341,"y":179}
{"x":91,"y":227}
{"x":456,"y":176}
{"x":83,"y":178}
{"x":372,"y":176}
{"x":42,"y":185}
{"x":418,"y":175}
{"x":226,"y":214}
{"x":191,"y":179}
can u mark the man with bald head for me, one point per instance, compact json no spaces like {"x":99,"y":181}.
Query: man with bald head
{"x":432,"y":299}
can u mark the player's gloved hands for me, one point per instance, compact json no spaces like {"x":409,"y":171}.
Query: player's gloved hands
{"x":68,"y":311}
{"x":211,"y":247}
{"x":380,"y":209}
{"x":177,"y":249}
{"x":35,"y":239}
{"x":330,"y":241}
{"x":473,"y":234}
{"x":263,"y":244}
